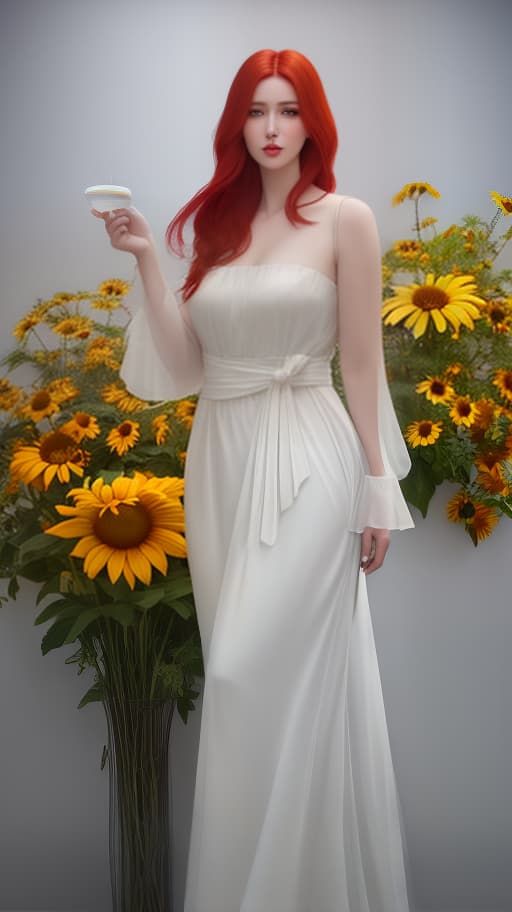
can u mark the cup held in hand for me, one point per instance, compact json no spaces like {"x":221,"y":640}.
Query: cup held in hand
{"x":106,"y":197}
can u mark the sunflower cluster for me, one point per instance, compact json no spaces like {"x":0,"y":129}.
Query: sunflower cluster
{"x":91,"y":495}
{"x":447,"y":321}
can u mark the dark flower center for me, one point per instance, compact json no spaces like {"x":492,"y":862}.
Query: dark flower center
{"x":428,"y":297}
{"x":497,"y":315}
{"x":125,"y":429}
{"x":40,"y":400}
{"x":128,"y":529}
{"x":58,"y":448}
{"x":467,"y":511}
{"x":424,"y":428}
{"x":463,"y":408}
{"x":437,"y":388}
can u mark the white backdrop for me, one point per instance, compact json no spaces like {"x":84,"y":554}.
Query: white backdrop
{"x":129,"y":92}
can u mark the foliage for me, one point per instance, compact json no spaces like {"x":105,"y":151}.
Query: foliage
{"x":447,"y":318}
{"x":112,"y":576}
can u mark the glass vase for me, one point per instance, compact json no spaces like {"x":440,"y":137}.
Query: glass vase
{"x":140,"y":812}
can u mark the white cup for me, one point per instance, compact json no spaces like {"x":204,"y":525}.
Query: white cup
{"x":106,"y":197}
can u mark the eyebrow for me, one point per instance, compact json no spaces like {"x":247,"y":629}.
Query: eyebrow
{"x":263,"y":103}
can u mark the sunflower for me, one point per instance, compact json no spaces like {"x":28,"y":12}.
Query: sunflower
{"x":492,"y":458}
{"x":82,"y":426}
{"x":114,"y":288}
{"x":56,"y":455}
{"x":423,"y":433}
{"x":123,"y":437}
{"x":62,"y":297}
{"x":503,"y":202}
{"x":503,"y":380}
{"x":185,"y":411}
{"x":41,"y":405}
{"x":129,"y":526}
{"x":106,"y":303}
{"x":407,"y":249}
{"x":9,"y":394}
{"x":437,"y":390}
{"x":161,"y":429}
{"x":62,"y":389}
{"x":428,"y":222}
{"x":103,"y":351}
{"x":414,"y":191}
{"x":25,"y":325}
{"x":463,"y":411}
{"x":120,"y":397}
{"x":498,"y":314}
{"x":485,"y":413}
{"x":443,"y":300}
{"x":454,"y":369}
{"x":478,"y":518}
{"x":492,"y":479}
{"x":74,"y":327}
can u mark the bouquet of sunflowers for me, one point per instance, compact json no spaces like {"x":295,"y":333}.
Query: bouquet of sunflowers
{"x":447,"y":317}
{"x":91,"y":485}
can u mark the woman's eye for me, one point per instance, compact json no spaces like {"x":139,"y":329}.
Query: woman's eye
{"x":293,"y":112}
{"x":254,"y":112}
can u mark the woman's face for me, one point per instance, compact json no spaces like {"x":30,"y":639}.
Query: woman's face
{"x":274,"y":132}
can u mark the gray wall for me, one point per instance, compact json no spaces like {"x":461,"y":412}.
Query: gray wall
{"x":130,"y":92}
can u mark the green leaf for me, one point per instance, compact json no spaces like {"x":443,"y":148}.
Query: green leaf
{"x":93,"y":695}
{"x":184,"y":609}
{"x":55,"y":636}
{"x":419,"y":486}
{"x":63,"y":606}
{"x":51,"y":585}
{"x":117,"y":590}
{"x":36,"y":547}
{"x":148,"y":598}
{"x":123,"y":612}
{"x":82,"y":621}
{"x":13,"y":587}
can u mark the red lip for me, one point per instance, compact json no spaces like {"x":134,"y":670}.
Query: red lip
{"x":272,"y":148}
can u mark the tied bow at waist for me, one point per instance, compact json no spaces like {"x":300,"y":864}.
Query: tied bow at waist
{"x":281,"y":464}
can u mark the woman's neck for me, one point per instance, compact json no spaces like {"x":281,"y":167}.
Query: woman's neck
{"x":275,"y":187}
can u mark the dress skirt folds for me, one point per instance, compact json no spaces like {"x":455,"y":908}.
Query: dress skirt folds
{"x":296,"y":807}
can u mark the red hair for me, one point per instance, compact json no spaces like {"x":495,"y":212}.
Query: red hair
{"x":225,"y":207}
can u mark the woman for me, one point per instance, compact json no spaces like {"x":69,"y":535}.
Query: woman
{"x":287,"y":500}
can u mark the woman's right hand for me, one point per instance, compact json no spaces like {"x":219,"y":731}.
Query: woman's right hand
{"x":127,"y":229}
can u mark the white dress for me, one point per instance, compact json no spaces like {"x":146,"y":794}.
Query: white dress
{"x":296,"y":807}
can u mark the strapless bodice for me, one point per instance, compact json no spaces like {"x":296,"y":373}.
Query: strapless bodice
{"x":271,"y":310}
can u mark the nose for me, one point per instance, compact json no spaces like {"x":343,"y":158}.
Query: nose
{"x":271,"y":131}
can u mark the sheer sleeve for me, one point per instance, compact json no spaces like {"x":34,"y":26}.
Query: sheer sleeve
{"x":163,"y":358}
{"x":379,"y":501}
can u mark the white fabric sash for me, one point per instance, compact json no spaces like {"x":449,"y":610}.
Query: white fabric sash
{"x":280,"y":460}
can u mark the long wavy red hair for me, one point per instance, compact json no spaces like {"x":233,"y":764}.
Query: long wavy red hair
{"x":224,"y":208}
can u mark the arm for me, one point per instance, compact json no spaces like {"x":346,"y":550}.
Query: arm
{"x":381,"y":504}
{"x":163,"y":358}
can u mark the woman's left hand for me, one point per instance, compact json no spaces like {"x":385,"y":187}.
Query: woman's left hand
{"x":374,"y":545}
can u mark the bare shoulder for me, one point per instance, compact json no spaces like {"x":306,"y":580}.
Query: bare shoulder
{"x":346,"y":212}
{"x":351,"y":209}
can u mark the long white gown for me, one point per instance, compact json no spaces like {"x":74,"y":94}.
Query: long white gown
{"x":296,"y":806}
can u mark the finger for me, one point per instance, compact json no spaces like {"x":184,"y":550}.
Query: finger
{"x":366,"y":548}
{"x":117,"y":235}
{"x":101,"y":215}
{"x":380,"y":547}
